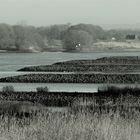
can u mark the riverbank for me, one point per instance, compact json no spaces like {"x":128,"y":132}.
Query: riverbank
{"x":110,"y":68}
{"x":75,"y":78}
{"x":105,"y":64}
{"x":104,"y":60}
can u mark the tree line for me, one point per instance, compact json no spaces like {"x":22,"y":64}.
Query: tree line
{"x":75,"y":37}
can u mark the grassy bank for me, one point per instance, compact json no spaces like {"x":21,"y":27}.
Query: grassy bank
{"x":74,"y":78}
{"x":84,"y":68}
{"x":106,"y":64}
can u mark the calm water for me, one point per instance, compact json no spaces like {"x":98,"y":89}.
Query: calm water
{"x":15,"y":61}
{"x":10,"y":62}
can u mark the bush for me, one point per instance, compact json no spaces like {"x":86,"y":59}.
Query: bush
{"x":42,"y":89}
{"x":8,"y":89}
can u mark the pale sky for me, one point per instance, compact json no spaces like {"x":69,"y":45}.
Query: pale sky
{"x":47,"y":12}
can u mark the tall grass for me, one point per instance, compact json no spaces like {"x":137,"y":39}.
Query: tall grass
{"x":83,"y":126}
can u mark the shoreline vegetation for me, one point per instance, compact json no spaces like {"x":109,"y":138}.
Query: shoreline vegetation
{"x":74,"y":78}
{"x":105,"y":64}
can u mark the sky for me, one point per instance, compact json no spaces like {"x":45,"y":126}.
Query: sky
{"x":48,"y":12}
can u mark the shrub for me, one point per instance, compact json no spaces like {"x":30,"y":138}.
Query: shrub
{"x":42,"y":89}
{"x":8,"y":89}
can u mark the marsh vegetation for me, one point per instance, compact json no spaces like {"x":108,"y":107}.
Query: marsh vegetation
{"x":83,"y":124}
{"x":74,"y":78}
{"x":105,"y":64}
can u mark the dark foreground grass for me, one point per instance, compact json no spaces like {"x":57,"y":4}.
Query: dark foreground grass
{"x":68,"y":126}
{"x":81,"y":121}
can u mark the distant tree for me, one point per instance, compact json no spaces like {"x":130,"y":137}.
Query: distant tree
{"x":7,"y":37}
{"x":52,"y":35}
{"x":53,"y":32}
{"x":35,"y":38}
{"x":21,"y":34}
{"x":119,"y":35}
{"x":27,"y":38}
{"x":43,"y":34}
{"x":76,"y":40}
{"x":95,"y":31}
